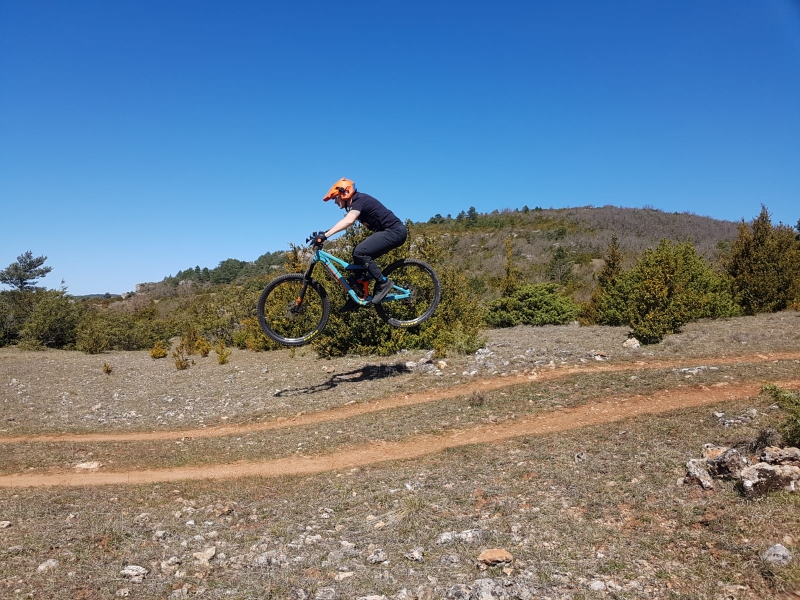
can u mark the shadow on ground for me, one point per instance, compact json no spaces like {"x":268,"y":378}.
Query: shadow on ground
{"x":366,"y":373}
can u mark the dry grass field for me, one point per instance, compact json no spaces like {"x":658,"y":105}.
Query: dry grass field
{"x":280,"y":475}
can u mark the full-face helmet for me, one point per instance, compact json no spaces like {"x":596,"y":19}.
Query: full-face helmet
{"x":342,"y":189}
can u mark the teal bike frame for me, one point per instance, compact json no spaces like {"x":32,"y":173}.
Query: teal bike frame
{"x":330,"y":262}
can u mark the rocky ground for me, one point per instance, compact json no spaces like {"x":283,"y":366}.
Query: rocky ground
{"x":69,"y":391}
{"x":598,"y":509}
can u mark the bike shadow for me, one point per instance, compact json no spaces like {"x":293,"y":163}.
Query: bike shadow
{"x":365,"y":373}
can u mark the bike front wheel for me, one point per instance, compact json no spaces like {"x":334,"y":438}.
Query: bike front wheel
{"x":286,"y":319}
{"x":417,"y":297}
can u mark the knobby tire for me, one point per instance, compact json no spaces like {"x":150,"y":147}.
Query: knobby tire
{"x":426,"y":289}
{"x":280,"y":317}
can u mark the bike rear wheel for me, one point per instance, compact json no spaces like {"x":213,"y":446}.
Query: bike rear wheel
{"x":285,"y":320}
{"x":421,"y":280}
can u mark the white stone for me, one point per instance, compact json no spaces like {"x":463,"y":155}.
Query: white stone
{"x":777,"y":555}
{"x":473,"y":536}
{"x":762,"y":478}
{"x":446,"y":537}
{"x":50,"y":563}
{"x":206,"y":555}
{"x":696,"y":468}
{"x":415,"y":555}
{"x":597,"y":585}
{"x":377,"y":556}
{"x":773,"y":456}
{"x":135,"y":573}
{"x":469,"y":536}
{"x":88,"y":466}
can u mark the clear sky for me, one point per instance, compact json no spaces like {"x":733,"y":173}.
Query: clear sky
{"x":142,"y":137}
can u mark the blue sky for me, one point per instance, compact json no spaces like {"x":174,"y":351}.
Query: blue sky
{"x":138,"y":138}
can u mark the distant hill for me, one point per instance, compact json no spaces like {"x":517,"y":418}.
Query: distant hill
{"x":566,"y":244}
{"x":578,"y":236}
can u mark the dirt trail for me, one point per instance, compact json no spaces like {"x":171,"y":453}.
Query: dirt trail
{"x":352,"y":410}
{"x":586,"y":415}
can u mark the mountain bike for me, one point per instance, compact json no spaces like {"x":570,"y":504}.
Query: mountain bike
{"x":293,"y":309}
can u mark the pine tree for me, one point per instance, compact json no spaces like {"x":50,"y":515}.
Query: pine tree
{"x":24,"y":273}
{"x":764,"y":266}
{"x":606,"y":306}
{"x":613,"y":264}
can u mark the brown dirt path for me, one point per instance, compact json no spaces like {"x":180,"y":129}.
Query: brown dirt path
{"x":594,"y":413}
{"x":352,"y":410}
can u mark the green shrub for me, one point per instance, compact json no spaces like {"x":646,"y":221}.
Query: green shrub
{"x":181,"y":358}
{"x":93,"y":336}
{"x":8,"y":332}
{"x":249,"y":336}
{"x":219,"y":314}
{"x":764,"y":266}
{"x":456,"y":325}
{"x":669,"y":286}
{"x":31,"y":344}
{"x":606,"y":305}
{"x":532,"y":304}
{"x":104,"y":329}
{"x":54,"y":320}
{"x":202,"y":347}
{"x":511,"y":273}
{"x":158,"y":350}
{"x":790,"y":403}
{"x":189,"y":339}
{"x":15,"y":309}
{"x":222,"y":352}
{"x":503,"y":312}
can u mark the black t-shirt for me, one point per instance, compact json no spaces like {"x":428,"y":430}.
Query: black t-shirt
{"x":372,"y":213}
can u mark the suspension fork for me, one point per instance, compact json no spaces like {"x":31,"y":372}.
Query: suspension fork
{"x":306,"y":282}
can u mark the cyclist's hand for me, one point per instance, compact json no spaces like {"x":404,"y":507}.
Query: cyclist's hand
{"x":317,"y":238}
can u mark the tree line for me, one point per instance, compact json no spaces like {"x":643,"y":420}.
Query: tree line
{"x":229,"y":270}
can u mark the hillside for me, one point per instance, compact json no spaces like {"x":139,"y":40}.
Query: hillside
{"x":551,"y":243}
{"x":475,"y":243}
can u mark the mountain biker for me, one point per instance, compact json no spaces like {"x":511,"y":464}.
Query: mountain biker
{"x":389,"y":232}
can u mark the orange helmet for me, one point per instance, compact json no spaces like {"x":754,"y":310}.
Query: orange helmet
{"x":343,"y":188}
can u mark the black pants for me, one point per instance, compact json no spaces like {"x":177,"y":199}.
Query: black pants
{"x":378,"y":244}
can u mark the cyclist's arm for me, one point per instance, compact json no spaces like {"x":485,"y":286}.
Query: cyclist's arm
{"x":346,"y":221}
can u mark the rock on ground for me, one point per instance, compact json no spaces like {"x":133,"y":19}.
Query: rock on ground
{"x":777,"y":555}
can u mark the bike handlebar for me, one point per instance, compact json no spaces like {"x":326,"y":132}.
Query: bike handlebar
{"x":316,"y":239}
